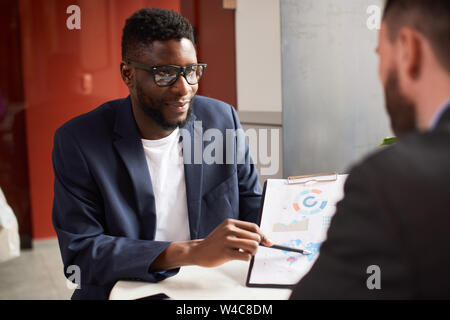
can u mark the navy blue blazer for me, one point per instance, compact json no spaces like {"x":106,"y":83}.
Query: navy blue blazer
{"x":104,"y":205}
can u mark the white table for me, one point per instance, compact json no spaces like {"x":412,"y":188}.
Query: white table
{"x":226,"y":282}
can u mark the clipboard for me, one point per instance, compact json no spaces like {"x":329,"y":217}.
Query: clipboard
{"x":293,"y":213}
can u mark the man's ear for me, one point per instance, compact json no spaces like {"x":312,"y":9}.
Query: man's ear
{"x":409,"y":58}
{"x":127,"y":74}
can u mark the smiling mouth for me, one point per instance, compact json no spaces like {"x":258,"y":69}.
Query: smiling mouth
{"x":179,"y":107}
{"x":178,"y":103}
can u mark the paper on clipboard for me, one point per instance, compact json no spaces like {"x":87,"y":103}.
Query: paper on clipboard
{"x":295,"y":213}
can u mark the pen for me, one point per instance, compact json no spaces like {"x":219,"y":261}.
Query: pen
{"x":276,"y":246}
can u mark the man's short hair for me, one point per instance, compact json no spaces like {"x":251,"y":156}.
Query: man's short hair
{"x":430,"y":17}
{"x":148,"y":25}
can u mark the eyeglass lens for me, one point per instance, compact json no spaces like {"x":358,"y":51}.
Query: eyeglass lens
{"x":167,"y":75}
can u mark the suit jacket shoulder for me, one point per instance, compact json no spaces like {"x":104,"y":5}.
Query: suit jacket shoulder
{"x":395,"y":215}
{"x":215,"y":113}
{"x":100,"y":119}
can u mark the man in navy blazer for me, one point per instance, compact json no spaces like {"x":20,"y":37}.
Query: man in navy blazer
{"x":120,"y":211}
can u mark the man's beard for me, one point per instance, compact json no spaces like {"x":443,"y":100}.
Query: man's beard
{"x":156,"y":115}
{"x":401,"y":110}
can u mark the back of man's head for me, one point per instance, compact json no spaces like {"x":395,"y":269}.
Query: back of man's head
{"x":429,"y":17}
{"x":148,"y":25}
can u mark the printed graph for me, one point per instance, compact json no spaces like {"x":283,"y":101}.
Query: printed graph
{"x":310,"y":201}
{"x":293,"y":257}
{"x":295,"y":225}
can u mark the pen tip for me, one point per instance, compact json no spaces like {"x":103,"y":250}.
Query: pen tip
{"x":307,"y":252}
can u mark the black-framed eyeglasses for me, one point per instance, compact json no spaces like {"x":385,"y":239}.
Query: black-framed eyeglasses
{"x":167,"y":75}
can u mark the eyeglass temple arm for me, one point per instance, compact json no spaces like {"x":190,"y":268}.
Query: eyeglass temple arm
{"x":139,"y":65}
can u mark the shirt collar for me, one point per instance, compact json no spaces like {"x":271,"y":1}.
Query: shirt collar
{"x":438,"y":114}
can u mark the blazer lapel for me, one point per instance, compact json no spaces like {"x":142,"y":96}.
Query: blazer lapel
{"x":192,"y":139}
{"x":129,"y":146}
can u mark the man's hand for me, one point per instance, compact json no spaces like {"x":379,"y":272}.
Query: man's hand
{"x":231,"y":240}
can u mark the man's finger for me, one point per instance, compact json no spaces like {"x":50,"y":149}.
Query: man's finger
{"x":252,"y":227}
{"x":266,"y":241}
{"x":249,"y":246}
{"x":239,"y":255}
{"x":244,"y":234}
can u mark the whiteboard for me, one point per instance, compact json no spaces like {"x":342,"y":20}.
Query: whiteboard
{"x":333,"y":102}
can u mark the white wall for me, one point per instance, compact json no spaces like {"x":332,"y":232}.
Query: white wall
{"x":258,"y":64}
{"x":258,"y":55}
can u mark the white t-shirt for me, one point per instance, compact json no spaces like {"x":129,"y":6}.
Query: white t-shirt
{"x":165,"y":162}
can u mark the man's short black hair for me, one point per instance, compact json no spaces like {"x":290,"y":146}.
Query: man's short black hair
{"x":430,"y":17}
{"x":148,"y":25}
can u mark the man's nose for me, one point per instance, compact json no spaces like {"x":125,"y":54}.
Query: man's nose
{"x":181,"y":86}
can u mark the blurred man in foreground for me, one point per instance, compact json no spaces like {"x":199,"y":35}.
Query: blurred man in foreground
{"x":390,"y":236}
